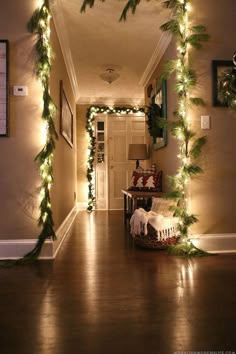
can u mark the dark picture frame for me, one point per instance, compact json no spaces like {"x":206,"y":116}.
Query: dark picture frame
{"x":66,"y":117}
{"x":4,"y":87}
{"x":160,"y":98}
{"x":218,"y":67}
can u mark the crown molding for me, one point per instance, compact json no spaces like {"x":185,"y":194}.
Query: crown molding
{"x":111,"y":101}
{"x":158,"y":53}
{"x":58,"y":18}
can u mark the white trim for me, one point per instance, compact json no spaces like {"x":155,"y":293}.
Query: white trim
{"x":14,"y":249}
{"x":63,"y":230}
{"x":135,"y":101}
{"x":212,"y":236}
{"x":158,"y":53}
{"x":215,"y":243}
{"x":58,"y":18}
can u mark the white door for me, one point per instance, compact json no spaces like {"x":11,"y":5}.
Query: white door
{"x":101,"y":162}
{"x":122,"y":131}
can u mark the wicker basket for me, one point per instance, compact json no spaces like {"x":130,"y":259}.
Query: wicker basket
{"x":152,"y":241}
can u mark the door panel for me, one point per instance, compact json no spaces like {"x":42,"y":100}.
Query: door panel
{"x":100,"y":163}
{"x":122,"y":131}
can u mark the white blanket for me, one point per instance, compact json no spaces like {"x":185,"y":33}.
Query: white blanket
{"x":165,"y":226}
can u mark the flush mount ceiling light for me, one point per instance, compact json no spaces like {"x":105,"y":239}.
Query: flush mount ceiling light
{"x":109,"y":75}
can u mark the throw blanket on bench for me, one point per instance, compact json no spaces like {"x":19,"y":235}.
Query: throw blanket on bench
{"x":165,"y":226}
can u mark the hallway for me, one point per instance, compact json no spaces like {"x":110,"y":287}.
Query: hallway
{"x":103,"y":295}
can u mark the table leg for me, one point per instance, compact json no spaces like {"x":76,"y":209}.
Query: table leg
{"x":134,"y":200}
{"x":125,"y":208}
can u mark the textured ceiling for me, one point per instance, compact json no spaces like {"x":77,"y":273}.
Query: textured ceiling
{"x":95,"y":40}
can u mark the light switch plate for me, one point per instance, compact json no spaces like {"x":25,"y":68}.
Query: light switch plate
{"x":20,"y":90}
{"x":205,"y":122}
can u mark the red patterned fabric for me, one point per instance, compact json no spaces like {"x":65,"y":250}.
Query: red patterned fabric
{"x":146,"y":181}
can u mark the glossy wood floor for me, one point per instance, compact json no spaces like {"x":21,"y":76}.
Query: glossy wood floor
{"x":103,"y":295}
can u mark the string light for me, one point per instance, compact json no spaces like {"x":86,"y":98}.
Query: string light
{"x":189,"y":146}
{"x":39,"y":24}
{"x":91,"y":113}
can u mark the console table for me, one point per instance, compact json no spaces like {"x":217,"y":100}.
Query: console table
{"x":131,"y":200}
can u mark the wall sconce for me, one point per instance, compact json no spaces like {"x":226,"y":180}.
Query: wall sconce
{"x":137,"y":152}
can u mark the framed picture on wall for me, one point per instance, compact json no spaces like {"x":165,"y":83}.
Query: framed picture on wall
{"x":66,"y":117}
{"x":4,"y":87}
{"x":218,"y":67}
{"x":159,"y":98}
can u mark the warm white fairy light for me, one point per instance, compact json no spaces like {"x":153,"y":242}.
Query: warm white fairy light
{"x":92,"y":111}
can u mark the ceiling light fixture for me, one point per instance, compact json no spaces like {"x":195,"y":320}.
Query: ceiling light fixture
{"x":109,"y":75}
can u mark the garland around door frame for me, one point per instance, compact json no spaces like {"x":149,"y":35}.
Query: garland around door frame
{"x":189,"y":145}
{"x":91,"y":113}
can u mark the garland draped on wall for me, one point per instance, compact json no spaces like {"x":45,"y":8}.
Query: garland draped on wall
{"x":91,"y":113}
{"x":39,"y":24}
{"x":189,"y":145}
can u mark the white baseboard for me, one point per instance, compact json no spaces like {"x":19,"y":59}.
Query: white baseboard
{"x":14,"y":249}
{"x":215,"y":243}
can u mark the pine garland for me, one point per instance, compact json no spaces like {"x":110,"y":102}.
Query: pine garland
{"x":39,"y":24}
{"x":154,"y":120}
{"x":91,"y":113}
{"x":189,"y":146}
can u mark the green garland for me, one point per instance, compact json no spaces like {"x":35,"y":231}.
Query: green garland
{"x":91,"y":113}
{"x":189,"y":146}
{"x":154,"y":120}
{"x":40,"y":25}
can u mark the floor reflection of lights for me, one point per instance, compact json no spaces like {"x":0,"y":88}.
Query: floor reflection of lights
{"x":184,"y":293}
{"x":91,"y":267}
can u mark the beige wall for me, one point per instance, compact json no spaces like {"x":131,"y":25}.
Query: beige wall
{"x":82,"y":146}
{"x":64,"y":188}
{"x":19,"y":178}
{"x":213,"y":193}
{"x":165,"y":158}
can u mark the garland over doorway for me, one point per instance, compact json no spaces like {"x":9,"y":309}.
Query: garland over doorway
{"x":189,"y":145}
{"x":91,"y":113}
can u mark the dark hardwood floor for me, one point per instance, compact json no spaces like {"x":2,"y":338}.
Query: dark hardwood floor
{"x":103,"y":295}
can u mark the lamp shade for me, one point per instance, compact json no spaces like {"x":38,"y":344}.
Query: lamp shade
{"x":137,"y":152}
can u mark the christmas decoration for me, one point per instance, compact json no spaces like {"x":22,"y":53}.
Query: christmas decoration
{"x":227,"y":86}
{"x":154,"y":120}
{"x":40,"y":25}
{"x":91,"y":113}
{"x":189,"y":145}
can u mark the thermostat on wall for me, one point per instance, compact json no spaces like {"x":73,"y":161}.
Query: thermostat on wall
{"x":20,"y":90}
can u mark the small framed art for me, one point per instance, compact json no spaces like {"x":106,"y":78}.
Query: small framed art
{"x":4,"y":87}
{"x":66,"y":117}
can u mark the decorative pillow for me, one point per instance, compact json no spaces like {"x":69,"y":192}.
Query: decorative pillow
{"x":146,"y":181}
{"x":161,"y":206}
